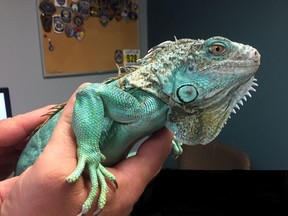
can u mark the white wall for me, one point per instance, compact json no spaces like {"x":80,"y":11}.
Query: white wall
{"x":20,"y":59}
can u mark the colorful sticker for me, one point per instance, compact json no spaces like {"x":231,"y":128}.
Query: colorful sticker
{"x":46,"y":21}
{"x":75,"y":7}
{"x":130,"y":57}
{"x":79,"y":33}
{"x":47,"y":7}
{"x":69,"y":31}
{"x":70,"y":19}
{"x":66,"y":14}
{"x":84,"y":9}
{"x":59,"y":3}
{"x":118,"y":56}
{"x":58,"y":25}
{"x":78,"y":20}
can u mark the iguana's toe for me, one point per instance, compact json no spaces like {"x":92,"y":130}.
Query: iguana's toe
{"x":97,"y":174}
{"x":74,"y":176}
{"x":177,"y":147}
{"x":108,"y":175}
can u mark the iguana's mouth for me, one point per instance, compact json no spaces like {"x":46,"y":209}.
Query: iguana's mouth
{"x":227,"y":65}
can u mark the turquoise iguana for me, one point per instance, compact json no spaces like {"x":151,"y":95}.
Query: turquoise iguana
{"x":189,"y":86}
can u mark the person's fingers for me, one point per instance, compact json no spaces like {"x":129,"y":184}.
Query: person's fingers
{"x":8,"y":160}
{"x":14,"y":132}
{"x":5,"y":187}
{"x":151,"y":154}
{"x":137,"y":172}
{"x":143,"y":167}
{"x":16,"y":129}
{"x":45,"y":180}
{"x":61,"y":148}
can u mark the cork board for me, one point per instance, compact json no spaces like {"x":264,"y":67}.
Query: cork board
{"x":94,"y":53}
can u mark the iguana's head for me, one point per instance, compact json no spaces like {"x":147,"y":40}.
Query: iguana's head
{"x":203,"y":81}
{"x":208,"y":84}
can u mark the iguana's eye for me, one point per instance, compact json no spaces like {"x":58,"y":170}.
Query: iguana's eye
{"x":217,"y":49}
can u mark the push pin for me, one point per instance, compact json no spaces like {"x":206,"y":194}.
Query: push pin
{"x":50,"y":45}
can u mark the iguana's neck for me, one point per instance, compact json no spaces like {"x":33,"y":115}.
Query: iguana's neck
{"x":144,"y":79}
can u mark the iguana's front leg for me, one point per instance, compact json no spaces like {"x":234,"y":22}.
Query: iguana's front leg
{"x":92,"y":104}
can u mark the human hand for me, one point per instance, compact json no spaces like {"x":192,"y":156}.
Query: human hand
{"x":42,"y":190}
{"x":14,"y":136}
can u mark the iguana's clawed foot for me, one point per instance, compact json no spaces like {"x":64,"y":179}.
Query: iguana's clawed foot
{"x":176,"y":145}
{"x":97,"y":212}
{"x":98,"y":174}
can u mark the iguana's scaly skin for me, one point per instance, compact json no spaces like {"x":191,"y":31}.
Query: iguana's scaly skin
{"x":189,"y":86}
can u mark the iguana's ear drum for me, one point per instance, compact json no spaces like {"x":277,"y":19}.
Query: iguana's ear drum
{"x":186,"y":93}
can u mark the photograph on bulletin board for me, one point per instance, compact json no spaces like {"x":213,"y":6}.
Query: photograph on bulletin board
{"x":87,"y":36}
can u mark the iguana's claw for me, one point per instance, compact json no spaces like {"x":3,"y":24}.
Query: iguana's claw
{"x":74,"y":176}
{"x":176,"y":145}
{"x":98,"y":174}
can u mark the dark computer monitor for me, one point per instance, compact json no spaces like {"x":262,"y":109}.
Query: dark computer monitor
{"x":5,"y":105}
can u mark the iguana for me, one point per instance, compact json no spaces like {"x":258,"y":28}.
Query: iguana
{"x":189,"y":86}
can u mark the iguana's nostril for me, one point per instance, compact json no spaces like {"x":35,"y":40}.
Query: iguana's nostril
{"x":256,"y":56}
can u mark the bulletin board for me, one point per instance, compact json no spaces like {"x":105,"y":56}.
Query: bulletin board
{"x":97,"y":45}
